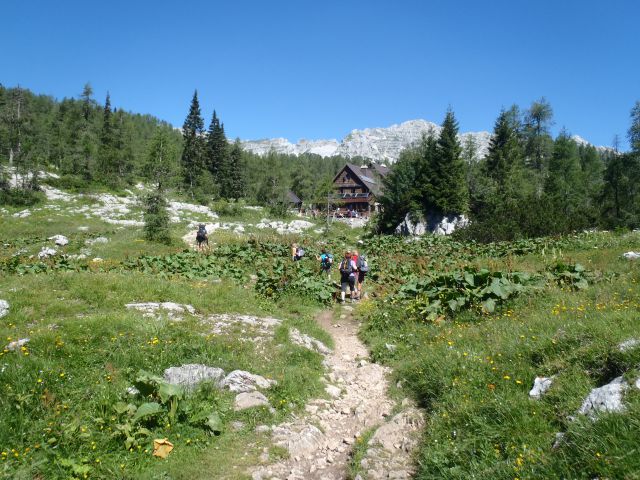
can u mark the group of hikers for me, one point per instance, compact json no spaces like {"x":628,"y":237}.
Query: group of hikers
{"x":353,"y":270}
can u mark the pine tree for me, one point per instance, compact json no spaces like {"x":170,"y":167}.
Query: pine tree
{"x":217,"y":151}
{"x":236,"y":187}
{"x":107,"y":152}
{"x":504,"y":150}
{"x":156,"y":218}
{"x":564,"y":186}
{"x":539,"y":144}
{"x":192,"y":160}
{"x":450,"y":192}
{"x":634,"y":129}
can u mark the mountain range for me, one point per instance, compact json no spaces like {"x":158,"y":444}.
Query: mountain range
{"x":378,"y":144}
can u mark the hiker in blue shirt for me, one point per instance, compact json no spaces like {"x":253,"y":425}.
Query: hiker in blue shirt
{"x":326,"y":261}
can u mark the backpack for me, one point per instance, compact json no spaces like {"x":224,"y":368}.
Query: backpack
{"x":326,"y":260}
{"x":300,"y":252}
{"x":346,"y":269}
{"x":363,"y":265}
{"x":202,"y":233}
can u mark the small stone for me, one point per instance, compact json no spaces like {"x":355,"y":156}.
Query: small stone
{"x":4,"y":308}
{"x":262,"y":429}
{"x":390,"y":347}
{"x":60,"y":240}
{"x":47,"y":252}
{"x":133,"y":391}
{"x":333,"y":391}
{"x":558,"y":440}
{"x":348,"y":440}
{"x":247,"y":400}
{"x":312,"y":409}
{"x":629,"y":345}
{"x":540,"y":386}
{"x":17,"y":344}
{"x":362,"y":363}
{"x":236,"y":426}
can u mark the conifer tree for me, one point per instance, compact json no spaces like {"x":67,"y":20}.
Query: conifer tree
{"x":217,"y":151}
{"x":236,"y":178}
{"x":564,"y":186}
{"x":107,"y":153}
{"x":539,"y":143}
{"x":634,"y":129}
{"x":504,"y":149}
{"x":450,"y":193}
{"x":192,"y":160}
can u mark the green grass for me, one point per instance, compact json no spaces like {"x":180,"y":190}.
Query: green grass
{"x":86,"y":349}
{"x":473,"y":373}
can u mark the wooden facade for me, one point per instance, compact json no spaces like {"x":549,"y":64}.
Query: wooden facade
{"x":356,"y":188}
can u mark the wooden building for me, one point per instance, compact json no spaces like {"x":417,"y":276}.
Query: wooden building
{"x":357,"y":188}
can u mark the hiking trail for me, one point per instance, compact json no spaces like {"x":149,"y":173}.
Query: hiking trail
{"x":320,"y":442}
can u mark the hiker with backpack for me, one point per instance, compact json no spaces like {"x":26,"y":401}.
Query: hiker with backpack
{"x":326,"y":262}
{"x":348,"y":272}
{"x":363,"y":268}
{"x":297,"y":252}
{"x":202,"y":238}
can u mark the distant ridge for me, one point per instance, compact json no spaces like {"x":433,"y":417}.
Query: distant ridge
{"x":378,"y":144}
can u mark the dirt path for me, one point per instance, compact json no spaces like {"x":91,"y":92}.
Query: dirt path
{"x":320,"y":443}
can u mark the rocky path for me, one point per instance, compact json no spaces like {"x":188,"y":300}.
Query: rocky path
{"x":320,"y":443}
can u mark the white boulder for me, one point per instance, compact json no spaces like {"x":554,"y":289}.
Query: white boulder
{"x":190,"y":376}
{"x":241,"y":381}
{"x":59,"y":240}
{"x":17,"y":344}
{"x":4,"y":308}
{"x":435,"y":224}
{"x":308,"y":342}
{"x":47,"y":252}
{"x":629,"y":344}
{"x":631,"y":255}
{"x":607,"y":398}
{"x":540,"y":386}
{"x":247,"y":400}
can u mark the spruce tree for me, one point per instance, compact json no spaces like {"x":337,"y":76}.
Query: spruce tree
{"x":634,"y":129}
{"x":539,"y":143}
{"x":192,"y":160}
{"x":564,"y":186}
{"x":236,"y":186}
{"x":107,"y":153}
{"x":450,"y":192}
{"x":217,"y":152}
{"x":504,"y":150}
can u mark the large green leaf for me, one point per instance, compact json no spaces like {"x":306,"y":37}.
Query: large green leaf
{"x":147,"y":410}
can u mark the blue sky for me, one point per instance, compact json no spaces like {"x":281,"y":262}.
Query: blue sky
{"x":311,"y":69}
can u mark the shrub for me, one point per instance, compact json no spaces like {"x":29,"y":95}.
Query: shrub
{"x":156,"y":218}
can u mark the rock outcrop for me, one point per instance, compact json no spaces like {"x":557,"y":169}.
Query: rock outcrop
{"x":435,"y":224}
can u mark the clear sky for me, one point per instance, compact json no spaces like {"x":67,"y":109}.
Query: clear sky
{"x":318,"y":69}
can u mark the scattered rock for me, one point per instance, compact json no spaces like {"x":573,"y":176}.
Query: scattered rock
{"x":394,"y":434}
{"x":559,"y":440}
{"x":224,"y":323}
{"x":607,"y":398}
{"x":247,"y":400}
{"x":4,"y":308}
{"x":242,"y":381}
{"x":173,"y":310}
{"x":308,"y":342}
{"x":623,"y":347}
{"x":60,"y":240}
{"x":299,"y":441}
{"x":132,"y":391}
{"x":263,"y":429}
{"x":540,"y":386}
{"x":236,"y":426}
{"x":631,"y":255}
{"x":333,"y":391}
{"x":97,"y":240}
{"x":191,"y":375}
{"x":22,"y":214}
{"x":47,"y":252}
{"x":17,"y":344}
{"x":435,"y":224}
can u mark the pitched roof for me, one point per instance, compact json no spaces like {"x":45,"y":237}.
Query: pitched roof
{"x":293,"y":198}
{"x":370,"y":176}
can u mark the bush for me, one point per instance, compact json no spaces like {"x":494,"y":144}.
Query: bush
{"x":71,"y":183}
{"x":227,"y":208}
{"x":17,"y":197}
